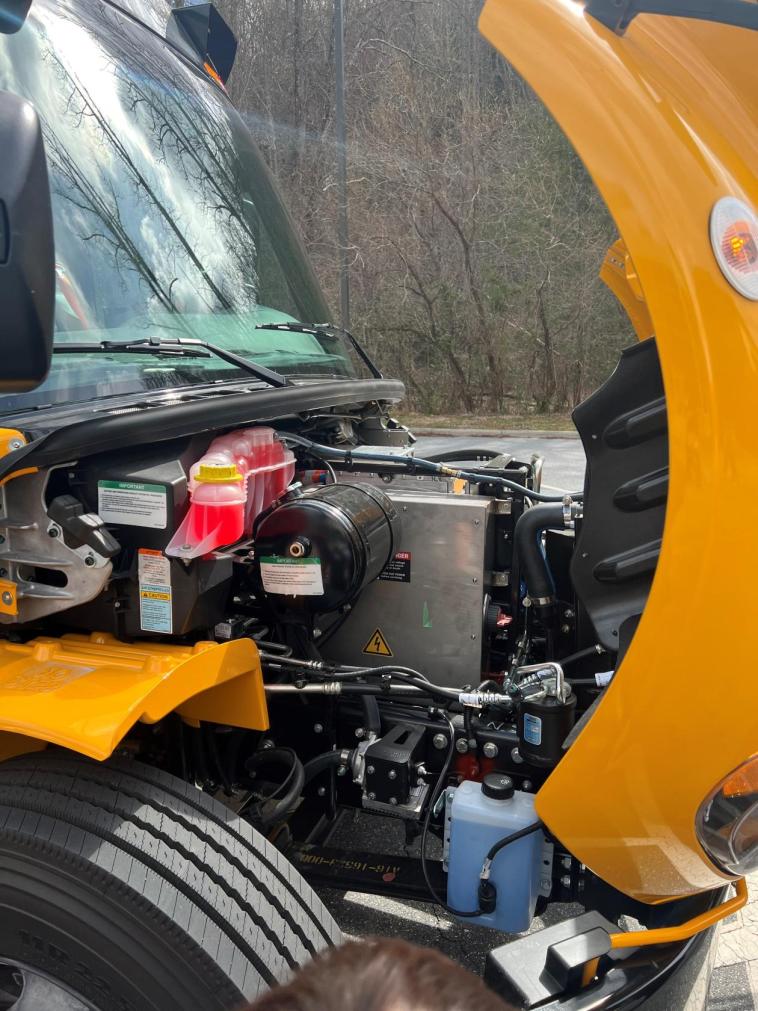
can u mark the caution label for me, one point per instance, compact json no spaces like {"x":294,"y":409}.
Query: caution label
{"x":377,"y":645}
{"x":155,"y":603}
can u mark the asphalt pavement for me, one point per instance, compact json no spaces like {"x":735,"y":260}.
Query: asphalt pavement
{"x":734,"y":984}
{"x":564,"y":458}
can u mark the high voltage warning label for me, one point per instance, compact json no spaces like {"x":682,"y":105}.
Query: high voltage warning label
{"x":377,"y":645}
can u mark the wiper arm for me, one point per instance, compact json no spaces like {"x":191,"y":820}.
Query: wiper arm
{"x":175,"y":347}
{"x":325,"y":330}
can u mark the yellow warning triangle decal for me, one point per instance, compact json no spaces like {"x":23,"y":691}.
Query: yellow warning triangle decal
{"x":377,"y":644}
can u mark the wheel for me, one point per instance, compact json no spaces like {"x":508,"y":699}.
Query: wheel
{"x":123,"y":888}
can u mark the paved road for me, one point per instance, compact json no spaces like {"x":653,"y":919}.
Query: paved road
{"x":735,"y":980}
{"x":564,"y":458}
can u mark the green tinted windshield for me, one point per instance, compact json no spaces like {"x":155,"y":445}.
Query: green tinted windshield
{"x":167,"y":222}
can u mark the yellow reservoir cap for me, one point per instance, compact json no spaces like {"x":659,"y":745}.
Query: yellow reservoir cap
{"x":217,"y":473}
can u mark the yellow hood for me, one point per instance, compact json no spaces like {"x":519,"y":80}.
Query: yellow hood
{"x":665,"y":117}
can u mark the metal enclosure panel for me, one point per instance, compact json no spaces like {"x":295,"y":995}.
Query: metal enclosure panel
{"x":433,"y":622}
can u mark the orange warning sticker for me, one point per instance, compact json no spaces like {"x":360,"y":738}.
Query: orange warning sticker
{"x":377,"y":645}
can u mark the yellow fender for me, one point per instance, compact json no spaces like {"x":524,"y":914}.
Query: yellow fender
{"x":665,"y":117}
{"x":85,"y":692}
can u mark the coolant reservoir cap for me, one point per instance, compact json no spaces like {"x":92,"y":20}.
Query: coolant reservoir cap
{"x":498,"y":786}
{"x":217,"y":473}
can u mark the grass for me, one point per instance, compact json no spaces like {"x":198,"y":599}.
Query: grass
{"x":495,"y":422}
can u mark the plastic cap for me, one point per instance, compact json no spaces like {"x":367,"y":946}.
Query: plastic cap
{"x":498,"y":786}
{"x":217,"y":473}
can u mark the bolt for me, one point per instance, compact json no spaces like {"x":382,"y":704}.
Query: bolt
{"x":321,"y":791}
{"x":474,"y":580}
{"x":566,"y":881}
{"x":360,"y":732}
{"x":116,"y":605}
{"x":566,"y":863}
{"x":3,"y":572}
{"x":53,"y":532}
{"x":393,"y":801}
{"x":392,"y":774}
{"x":568,"y":613}
{"x":318,"y":728}
{"x":89,"y":560}
{"x":439,"y":741}
{"x":516,"y":756}
{"x":473,"y":636}
{"x":267,"y":744}
{"x":16,"y":444}
{"x":371,"y":796}
{"x":461,"y":746}
{"x":476,"y":523}
{"x":370,"y":770}
{"x":565,"y":629}
{"x":526,"y":785}
{"x":7,"y":597}
{"x":342,"y":770}
{"x":490,"y":749}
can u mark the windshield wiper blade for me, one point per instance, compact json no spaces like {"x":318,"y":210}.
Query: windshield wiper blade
{"x":177,"y":347}
{"x":325,"y":330}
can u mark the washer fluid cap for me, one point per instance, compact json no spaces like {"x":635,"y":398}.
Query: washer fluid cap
{"x":217,"y":473}
{"x":497,"y":786}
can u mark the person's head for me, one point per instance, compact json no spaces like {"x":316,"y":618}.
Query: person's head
{"x":381,"y":975}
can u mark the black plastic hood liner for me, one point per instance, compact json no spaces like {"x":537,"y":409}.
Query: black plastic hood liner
{"x":624,"y":429}
{"x":156,"y":423}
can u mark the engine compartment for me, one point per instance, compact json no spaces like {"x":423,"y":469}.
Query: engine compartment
{"x":421,"y":623}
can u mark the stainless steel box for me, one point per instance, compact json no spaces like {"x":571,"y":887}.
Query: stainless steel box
{"x":426,"y":609}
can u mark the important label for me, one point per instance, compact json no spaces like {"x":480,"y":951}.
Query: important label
{"x":398,"y":569}
{"x":377,"y":645}
{"x":155,"y":597}
{"x":532,"y":729}
{"x":133,"y":504}
{"x":295,"y":577}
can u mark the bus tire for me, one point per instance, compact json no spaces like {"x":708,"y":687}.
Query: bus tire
{"x":123,"y":888}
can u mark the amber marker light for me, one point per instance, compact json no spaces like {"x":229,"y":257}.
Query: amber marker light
{"x":734,"y":238}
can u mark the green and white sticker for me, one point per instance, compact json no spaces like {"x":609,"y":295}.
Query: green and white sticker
{"x":295,"y":577}
{"x":133,"y":504}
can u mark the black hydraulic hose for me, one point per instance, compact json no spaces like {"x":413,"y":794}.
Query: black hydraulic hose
{"x":527,"y":536}
{"x":406,"y":675}
{"x":327,"y":760}
{"x":415,"y":464}
{"x":438,"y":787}
{"x":372,"y":720}
{"x":293,"y":783}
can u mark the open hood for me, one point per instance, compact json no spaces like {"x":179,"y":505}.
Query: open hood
{"x":664,"y":114}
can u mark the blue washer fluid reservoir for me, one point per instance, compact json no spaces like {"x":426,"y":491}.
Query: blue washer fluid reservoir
{"x":481,"y":815}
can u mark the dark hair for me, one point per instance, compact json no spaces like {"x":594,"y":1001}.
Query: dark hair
{"x":381,"y":975}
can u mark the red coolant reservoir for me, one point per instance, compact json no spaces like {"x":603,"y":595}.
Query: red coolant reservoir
{"x":241,"y":474}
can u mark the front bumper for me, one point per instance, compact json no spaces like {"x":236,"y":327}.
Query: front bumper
{"x":672,"y":977}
